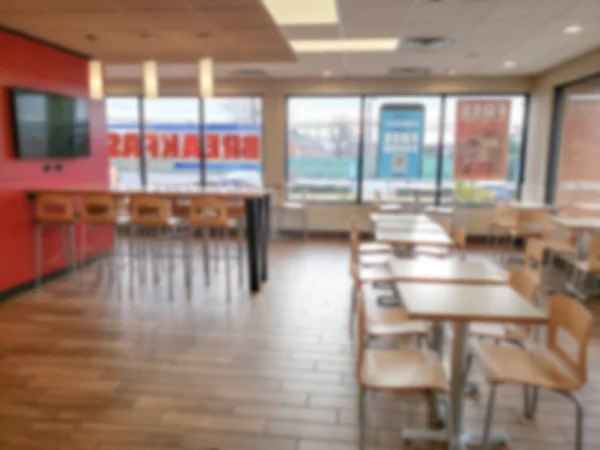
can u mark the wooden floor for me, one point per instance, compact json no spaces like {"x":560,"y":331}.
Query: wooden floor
{"x":151,"y":368}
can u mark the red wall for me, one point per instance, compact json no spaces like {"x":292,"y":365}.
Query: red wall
{"x":33,"y":65}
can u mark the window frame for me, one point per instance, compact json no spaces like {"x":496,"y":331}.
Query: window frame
{"x":440,"y":153}
{"x":142,"y":124}
{"x":558,"y":109}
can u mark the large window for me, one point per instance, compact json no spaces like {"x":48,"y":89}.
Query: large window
{"x":322,"y":141}
{"x":171,"y":141}
{"x":401,"y":140}
{"x":436,"y":148}
{"x":173,"y":137}
{"x":123,"y":141}
{"x":233,"y":135}
{"x":483,"y":143}
{"x":574,"y":174}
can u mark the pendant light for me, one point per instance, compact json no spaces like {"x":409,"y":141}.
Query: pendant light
{"x":206,"y":77}
{"x":95,"y":80}
{"x":150,"y":73}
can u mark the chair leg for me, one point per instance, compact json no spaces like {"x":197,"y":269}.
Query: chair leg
{"x":73,"y":256}
{"x":189,"y":259}
{"x":227,"y":263}
{"x":579,"y":418}
{"x":305,"y":223}
{"x":240,"y":252}
{"x":206,"y":255}
{"x":362,"y":417}
{"x":38,"y":255}
{"x":155,"y":259}
{"x":488,"y":417}
{"x":353,"y":298}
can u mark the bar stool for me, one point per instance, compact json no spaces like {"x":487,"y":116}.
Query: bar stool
{"x":207,"y":214}
{"x":53,"y":210}
{"x":152,"y":213}
{"x":102,"y":210}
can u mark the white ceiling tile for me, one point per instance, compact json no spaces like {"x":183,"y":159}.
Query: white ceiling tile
{"x":527,"y":9}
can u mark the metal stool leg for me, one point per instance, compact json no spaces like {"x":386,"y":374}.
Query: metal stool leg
{"x":362,"y":417}
{"x":227,"y":263}
{"x":240,"y":252}
{"x":206,"y":255}
{"x":38,"y":255}
{"x":488,"y":417}
{"x":73,"y":255}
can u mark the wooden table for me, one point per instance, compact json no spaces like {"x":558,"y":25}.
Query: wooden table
{"x":453,"y":271}
{"x":413,"y":238}
{"x":530,"y":206}
{"x":256,"y":205}
{"x":461,"y":304}
{"x":582,"y":226}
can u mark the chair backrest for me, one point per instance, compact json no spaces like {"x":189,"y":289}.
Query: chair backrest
{"x":150,"y":210}
{"x":525,"y":281}
{"x":180,"y":208}
{"x":502,"y":210}
{"x":100,"y":209}
{"x":534,"y":255}
{"x":568,"y":316}
{"x":54,"y":208}
{"x":594,"y":253}
{"x":210,"y":212}
{"x":236,"y":209}
{"x":459,"y":235}
{"x":532,"y":220}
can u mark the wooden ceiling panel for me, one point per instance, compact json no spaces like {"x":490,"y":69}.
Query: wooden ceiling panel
{"x":176,"y":30}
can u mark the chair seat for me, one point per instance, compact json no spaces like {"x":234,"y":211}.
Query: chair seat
{"x":535,"y":366}
{"x":406,"y":369}
{"x":375,"y":247}
{"x":586,"y":267}
{"x":377,"y":259}
{"x":383,"y":321}
{"x":292,"y":205}
{"x":390,"y":207}
{"x":499,"y":331}
{"x":558,"y":245}
{"x":436,"y":252}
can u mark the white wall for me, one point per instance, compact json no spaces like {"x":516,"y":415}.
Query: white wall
{"x":540,"y":118}
{"x":333,"y":217}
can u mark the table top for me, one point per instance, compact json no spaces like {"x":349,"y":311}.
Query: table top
{"x":468,"y":303}
{"x":529,"y":205}
{"x":440,"y":210}
{"x":446,"y":271}
{"x":402,"y":237}
{"x":578,"y":223}
{"x":589,"y":206}
{"x":412,"y":227}
{"x":174,"y":191}
{"x":405,"y":218}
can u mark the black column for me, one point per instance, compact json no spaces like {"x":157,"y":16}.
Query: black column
{"x":253,"y":235}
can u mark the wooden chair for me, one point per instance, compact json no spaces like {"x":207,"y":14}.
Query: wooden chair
{"x":53,"y":210}
{"x":368,"y":248}
{"x":526,"y":282}
{"x":459,"y":236}
{"x":556,"y":366}
{"x":281,"y":207}
{"x":531,"y":223}
{"x":582,"y":269}
{"x":504,"y":218}
{"x":210,"y":214}
{"x":401,"y":370}
{"x":438,"y":252}
{"x":370,"y":268}
{"x":390,"y":321}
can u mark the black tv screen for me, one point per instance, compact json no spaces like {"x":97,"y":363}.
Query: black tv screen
{"x":47,"y":125}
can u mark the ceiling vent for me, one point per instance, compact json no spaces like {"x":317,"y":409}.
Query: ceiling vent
{"x":410,"y":71}
{"x":250,"y":73}
{"x":427,"y":43}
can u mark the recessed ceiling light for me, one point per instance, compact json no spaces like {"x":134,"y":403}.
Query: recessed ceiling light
{"x":305,"y":12}
{"x":345,"y":45}
{"x":509,"y":63}
{"x":573,"y":29}
{"x":327,"y":73}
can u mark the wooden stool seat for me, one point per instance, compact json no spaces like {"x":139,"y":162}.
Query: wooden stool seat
{"x":534,"y":365}
{"x":402,"y":370}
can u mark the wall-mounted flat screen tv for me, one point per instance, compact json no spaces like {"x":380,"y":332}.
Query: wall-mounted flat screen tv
{"x":47,"y":125}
